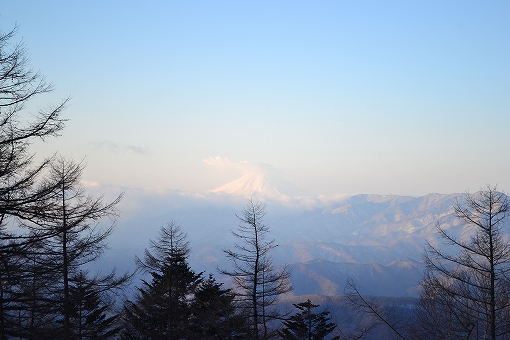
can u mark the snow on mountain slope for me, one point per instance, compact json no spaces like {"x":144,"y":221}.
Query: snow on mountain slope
{"x":345,"y":235}
{"x":261,"y":180}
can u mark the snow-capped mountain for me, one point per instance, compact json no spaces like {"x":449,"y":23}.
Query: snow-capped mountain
{"x":261,"y":180}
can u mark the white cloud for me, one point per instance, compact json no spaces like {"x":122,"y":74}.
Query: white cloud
{"x":218,"y":161}
{"x":120,"y":148}
{"x":89,"y":184}
{"x":244,"y":167}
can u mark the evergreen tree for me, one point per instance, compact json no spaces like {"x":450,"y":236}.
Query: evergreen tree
{"x":306,"y":325}
{"x":92,"y":316}
{"x":162,"y":309}
{"x":215,"y":315}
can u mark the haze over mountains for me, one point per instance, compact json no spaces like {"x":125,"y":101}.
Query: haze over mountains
{"x":376,"y":239}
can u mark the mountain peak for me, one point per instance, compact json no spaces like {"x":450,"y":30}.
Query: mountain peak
{"x":261,"y":180}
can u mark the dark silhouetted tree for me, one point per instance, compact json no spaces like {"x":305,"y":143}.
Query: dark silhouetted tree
{"x":256,"y":281}
{"x":162,"y":309}
{"x":24,"y":194}
{"x":77,"y":240}
{"x":92,"y":315}
{"x":36,"y":316}
{"x":40,"y":261}
{"x":373,"y":315}
{"x":466,"y":289}
{"x":307,"y":325}
{"x":215,"y":315}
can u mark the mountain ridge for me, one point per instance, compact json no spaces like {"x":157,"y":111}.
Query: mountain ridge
{"x":388,"y":230}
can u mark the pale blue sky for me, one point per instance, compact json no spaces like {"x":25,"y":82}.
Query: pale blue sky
{"x":387,"y":97}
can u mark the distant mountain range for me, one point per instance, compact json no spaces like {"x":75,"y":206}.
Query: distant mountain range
{"x":399,"y":278}
{"x":376,"y":239}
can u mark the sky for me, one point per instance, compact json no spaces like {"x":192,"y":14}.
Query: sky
{"x":382,"y":97}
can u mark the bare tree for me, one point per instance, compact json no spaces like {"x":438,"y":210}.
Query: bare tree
{"x":466,"y":286}
{"x":77,"y":239}
{"x":257,"y":282}
{"x":377,"y":315}
{"x":24,"y":194}
{"x":40,"y":264}
{"x":468,"y":281}
{"x":19,"y":194}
